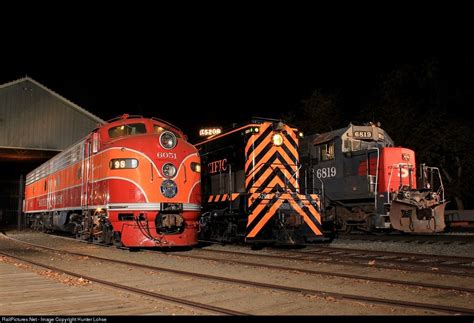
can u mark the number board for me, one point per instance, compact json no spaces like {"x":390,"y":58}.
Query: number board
{"x":326,"y":172}
{"x":362,"y":134}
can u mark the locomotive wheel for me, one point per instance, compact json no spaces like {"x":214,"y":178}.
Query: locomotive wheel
{"x":343,"y":227}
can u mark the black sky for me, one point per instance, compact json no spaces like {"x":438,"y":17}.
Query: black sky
{"x":228,"y":64}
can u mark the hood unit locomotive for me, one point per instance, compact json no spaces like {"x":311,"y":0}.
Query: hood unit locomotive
{"x":368,"y":183}
{"x":133,"y":181}
{"x":250,"y":187}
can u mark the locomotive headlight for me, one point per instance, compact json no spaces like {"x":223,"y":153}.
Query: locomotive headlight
{"x":123,"y":163}
{"x":169,"y":188}
{"x":167,"y":140}
{"x":277,"y":139}
{"x":169,"y":170}
{"x":196,"y":167}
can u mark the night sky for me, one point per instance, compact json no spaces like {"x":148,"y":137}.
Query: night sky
{"x":227,"y":67}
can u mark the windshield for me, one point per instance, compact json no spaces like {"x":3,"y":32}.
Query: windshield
{"x":127,"y":130}
{"x":159,"y":129}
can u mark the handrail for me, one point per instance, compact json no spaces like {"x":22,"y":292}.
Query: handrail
{"x":394,"y":166}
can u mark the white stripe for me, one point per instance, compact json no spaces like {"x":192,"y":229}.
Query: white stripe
{"x":182,"y":162}
{"x":73,"y":208}
{"x":64,"y":189}
{"x":134,"y":206}
{"x":191,"y":207}
{"x":99,"y":180}
{"x":123,"y":207}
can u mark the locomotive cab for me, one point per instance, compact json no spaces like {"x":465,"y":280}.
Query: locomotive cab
{"x":360,"y":175}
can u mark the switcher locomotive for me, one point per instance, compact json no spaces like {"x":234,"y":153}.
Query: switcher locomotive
{"x":133,"y":181}
{"x":250,"y":187}
{"x":369,"y":184}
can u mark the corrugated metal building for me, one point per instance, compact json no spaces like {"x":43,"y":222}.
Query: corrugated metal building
{"x":34,"y":117}
{"x":35,"y":124}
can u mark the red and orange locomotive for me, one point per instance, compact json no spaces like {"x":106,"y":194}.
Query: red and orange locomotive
{"x":133,"y":181}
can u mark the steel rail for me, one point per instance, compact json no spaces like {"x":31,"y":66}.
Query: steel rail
{"x":358,"y":254}
{"x":311,"y":257}
{"x":310,"y":271}
{"x":333,"y":274}
{"x":425,"y":238}
{"x":401,"y":254}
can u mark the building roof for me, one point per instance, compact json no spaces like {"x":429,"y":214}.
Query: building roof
{"x":66,"y":101}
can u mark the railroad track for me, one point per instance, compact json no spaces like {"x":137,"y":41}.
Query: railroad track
{"x":440,"y":238}
{"x":436,"y":264}
{"x":305,"y":291}
{"x":123,"y":287}
{"x":322,"y":272}
{"x":446,"y":265}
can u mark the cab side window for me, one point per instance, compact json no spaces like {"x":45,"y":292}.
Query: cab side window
{"x":130,"y":129}
{"x":326,"y":151}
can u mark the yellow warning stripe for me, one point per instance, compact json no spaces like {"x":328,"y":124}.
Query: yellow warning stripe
{"x":272,"y":184}
{"x":293,"y":135}
{"x":270,"y":154}
{"x":222,"y":198}
{"x":257,"y":150}
{"x":265,"y":219}
{"x":262,"y":177}
{"x":283,"y":197}
{"x":252,"y":139}
{"x":308,"y":221}
{"x":259,"y":207}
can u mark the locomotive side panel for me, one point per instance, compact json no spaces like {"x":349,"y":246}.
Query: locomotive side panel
{"x":342,"y":176}
{"x":56,"y":184}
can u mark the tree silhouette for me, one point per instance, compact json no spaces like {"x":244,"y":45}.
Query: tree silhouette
{"x":420,"y":106}
{"x":318,"y":113}
{"x":416,"y":106}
